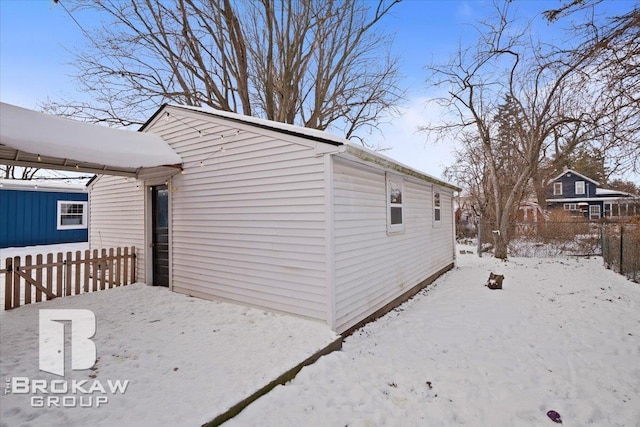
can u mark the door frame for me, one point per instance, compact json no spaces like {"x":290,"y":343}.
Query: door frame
{"x":148,"y":229}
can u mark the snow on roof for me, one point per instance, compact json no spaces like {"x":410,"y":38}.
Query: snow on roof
{"x":610,"y":192}
{"x":264,"y":123}
{"x":34,"y":184}
{"x":41,"y":134}
{"x":316,"y":135}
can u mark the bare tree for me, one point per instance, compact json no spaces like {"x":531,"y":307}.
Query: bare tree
{"x":315,"y":63}
{"x":556,"y":96}
{"x":16,"y":172}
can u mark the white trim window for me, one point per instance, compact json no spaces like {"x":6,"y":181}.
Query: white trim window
{"x":395,"y":203}
{"x":580,"y":187}
{"x":72,"y":215}
{"x":557,"y":189}
{"x":437,"y":210}
{"x":594,"y":212}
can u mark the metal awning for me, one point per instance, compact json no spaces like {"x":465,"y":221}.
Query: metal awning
{"x":32,"y":139}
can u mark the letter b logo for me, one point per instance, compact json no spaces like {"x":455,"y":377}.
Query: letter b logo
{"x":83,"y":350}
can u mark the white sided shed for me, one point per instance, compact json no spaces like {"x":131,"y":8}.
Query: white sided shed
{"x":280,"y":217}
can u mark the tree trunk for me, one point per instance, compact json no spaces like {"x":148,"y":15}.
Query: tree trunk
{"x":501,"y":239}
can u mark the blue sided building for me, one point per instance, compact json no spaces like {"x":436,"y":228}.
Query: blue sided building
{"x":36,"y":213}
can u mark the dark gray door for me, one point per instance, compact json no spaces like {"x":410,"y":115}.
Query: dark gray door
{"x":160,"y":207}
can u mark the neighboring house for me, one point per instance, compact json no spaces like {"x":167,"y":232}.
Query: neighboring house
{"x":466,"y":218}
{"x":582,"y":196}
{"x":40,"y":213}
{"x":530,"y":212}
{"x":278,"y":216}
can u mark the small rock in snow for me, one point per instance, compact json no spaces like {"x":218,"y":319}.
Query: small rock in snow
{"x":554,"y":416}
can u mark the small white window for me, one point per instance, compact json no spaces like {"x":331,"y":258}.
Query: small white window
{"x":567,"y":207}
{"x":557,"y":189}
{"x":594,"y":212}
{"x":579,"y":187}
{"x":395,"y":210}
{"x":436,"y":206}
{"x":72,"y":215}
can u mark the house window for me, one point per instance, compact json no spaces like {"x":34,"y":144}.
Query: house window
{"x":72,"y":215}
{"x":570,"y":207}
{"x":436,"y":206}
{"x":395,"y":210}
{"x":579,"y":187}
{"x":557,"y":189}
{"x":594,"y":212}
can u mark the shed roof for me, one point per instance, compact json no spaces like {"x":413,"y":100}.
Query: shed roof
{"x":316,"y":135}
{"x":31,"y":138}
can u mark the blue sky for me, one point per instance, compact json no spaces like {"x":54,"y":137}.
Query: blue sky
{"x":37,"y":39}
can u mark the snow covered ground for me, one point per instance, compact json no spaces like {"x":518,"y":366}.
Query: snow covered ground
{"x":187,"y":360}
{"x":563,"y":335}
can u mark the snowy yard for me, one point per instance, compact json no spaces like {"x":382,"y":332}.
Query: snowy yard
{"x":563,"y":335}
{"x":187,"y":360}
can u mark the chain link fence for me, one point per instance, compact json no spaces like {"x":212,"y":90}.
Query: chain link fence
{"x":546,"y":238}
{"x":618,"y":244}
{"x":621,"y":249}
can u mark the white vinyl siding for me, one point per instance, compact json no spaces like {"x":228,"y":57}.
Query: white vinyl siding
{"x":248,"y":221}
{"x":116,"y":209}
{"x":372,"y":267}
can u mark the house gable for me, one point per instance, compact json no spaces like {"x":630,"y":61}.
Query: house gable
{"x":571,"y":185}
{"x":321,"y":141}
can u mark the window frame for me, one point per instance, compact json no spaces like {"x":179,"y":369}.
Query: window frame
{"x":557,"y":189}
{"x":397,"y":180}
{"x":584,"y":188}
{"x":59,"y":215}
{"x":437,"y":209}
{"x":591,"y":213}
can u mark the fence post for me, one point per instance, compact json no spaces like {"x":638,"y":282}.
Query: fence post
{"x":39,"y":277}
{"x":27,"y":285}
{"x":16,"y":282}
{"x":77,"y":270}
{"x":68,"y":281}
{"x":621,"y":248}
{"x":479,"y":237}
{"x":8,"y":285}
{"x":133,"y":264}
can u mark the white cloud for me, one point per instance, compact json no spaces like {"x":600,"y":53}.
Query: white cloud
{"x":410,"y":146}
